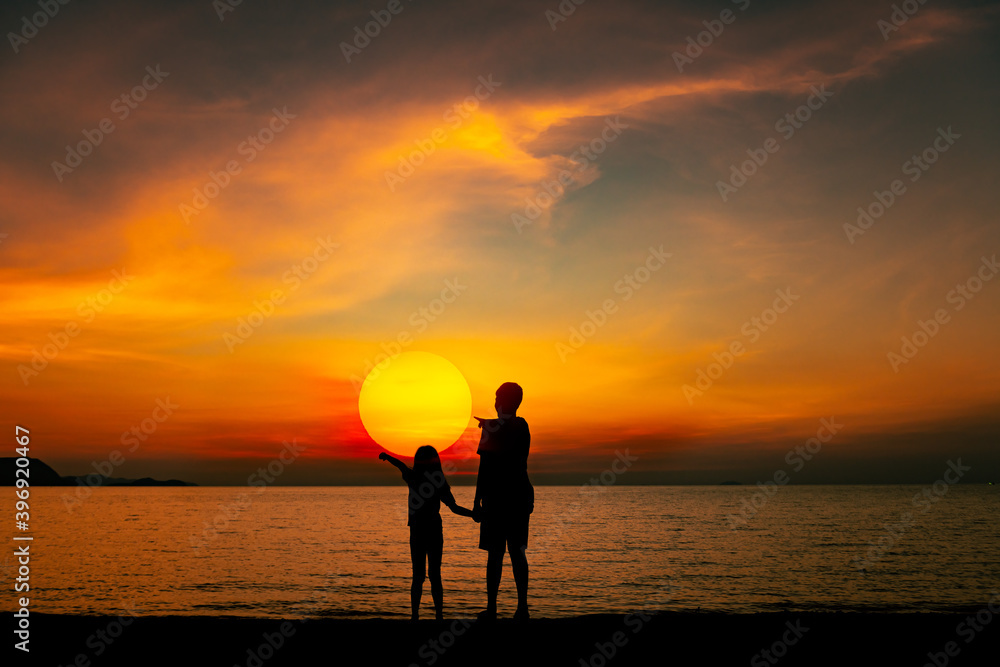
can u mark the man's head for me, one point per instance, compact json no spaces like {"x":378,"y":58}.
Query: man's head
{"x":509,"y":397}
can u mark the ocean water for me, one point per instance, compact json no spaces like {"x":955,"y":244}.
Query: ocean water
{"x":343,"y":551}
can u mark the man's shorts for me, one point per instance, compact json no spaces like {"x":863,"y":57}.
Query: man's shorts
{"x":498,"y":529}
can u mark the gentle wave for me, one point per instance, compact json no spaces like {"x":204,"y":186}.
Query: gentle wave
{"x":343,"y":552}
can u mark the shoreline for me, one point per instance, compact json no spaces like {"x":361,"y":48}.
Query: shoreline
{"x":598,"y":640}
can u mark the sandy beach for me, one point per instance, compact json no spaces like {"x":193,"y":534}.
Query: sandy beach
{"x":595,"y":640}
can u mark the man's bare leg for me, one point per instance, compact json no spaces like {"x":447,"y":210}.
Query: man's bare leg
{"x":519,"y":563}
{"x":494,"y":572}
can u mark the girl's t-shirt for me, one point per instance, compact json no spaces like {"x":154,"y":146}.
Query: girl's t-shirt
{"x":427,"y":490}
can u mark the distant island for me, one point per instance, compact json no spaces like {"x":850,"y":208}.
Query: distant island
{"x":42,"y":474}
{"x":730,"y":483}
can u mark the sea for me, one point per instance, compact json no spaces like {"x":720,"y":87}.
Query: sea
{"x":298,"y":552}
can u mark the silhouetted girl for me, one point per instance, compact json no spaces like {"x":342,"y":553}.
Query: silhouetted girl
{"x":428,"y":489}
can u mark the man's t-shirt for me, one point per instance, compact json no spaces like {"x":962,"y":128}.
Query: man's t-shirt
{"x":503,"y":466}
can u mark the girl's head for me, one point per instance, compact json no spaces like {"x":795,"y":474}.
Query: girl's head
{"x":426,"y":459}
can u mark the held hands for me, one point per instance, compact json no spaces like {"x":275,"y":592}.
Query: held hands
{"x":477,"y":513}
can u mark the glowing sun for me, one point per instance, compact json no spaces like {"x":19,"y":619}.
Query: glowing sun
{"x":418,"y":398}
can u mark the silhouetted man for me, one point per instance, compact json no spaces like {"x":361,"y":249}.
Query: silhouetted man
{"x":505,"y":498}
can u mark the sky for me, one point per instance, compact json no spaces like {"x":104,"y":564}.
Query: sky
{"x":701,"y":234}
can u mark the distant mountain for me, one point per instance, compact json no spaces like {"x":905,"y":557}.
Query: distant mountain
{"x":730,"y":483}
{"x":42,"y":474}
{"x":149,"y":481}
{"x":39,"y":473}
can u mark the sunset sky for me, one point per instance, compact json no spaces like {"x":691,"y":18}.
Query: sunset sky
{"x":334,"y":198}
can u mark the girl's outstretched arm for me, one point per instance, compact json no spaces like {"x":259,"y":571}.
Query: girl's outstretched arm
{"x":403,"y":468}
